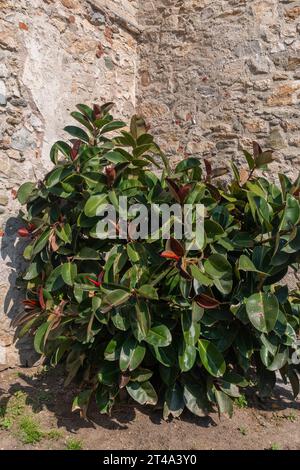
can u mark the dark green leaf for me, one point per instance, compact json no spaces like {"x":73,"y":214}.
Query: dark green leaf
{"x":143,"y":393}
{"x":211,"y":358}
{"x":159,"y":336}
{"x":132,"y":354}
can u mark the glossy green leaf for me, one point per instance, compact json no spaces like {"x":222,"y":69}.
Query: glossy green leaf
{"x":174,"y":402}
{"x":25,"y":192}
{"x":95,"y":204}
{"x":77,"y":133}
{"x":262,"y":310}
{"x":159,"y":336}
{"x":211,"y":358}
{"x":132,"y":354}
{"x":217,"y":266}
{"x":143,"y":393}
{"x":186,"y":356}
{"x":140,"y":320}
{"x":195,"y":399}
{"x":148,"y":292}
{"x":69,"y":273}
{"x":224,"y":402}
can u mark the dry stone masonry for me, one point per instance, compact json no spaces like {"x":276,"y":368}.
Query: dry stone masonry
{"x":53,"y":54}
{"x":215,"y":74}
{"x":208,"y":75}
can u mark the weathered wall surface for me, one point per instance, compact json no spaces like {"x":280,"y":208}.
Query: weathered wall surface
{"x":214,"y":75}
{"x":53,"y":54}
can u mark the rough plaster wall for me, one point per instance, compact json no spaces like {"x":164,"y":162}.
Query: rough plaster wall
{"x":214,"y":75}
{"x":53,"y":54}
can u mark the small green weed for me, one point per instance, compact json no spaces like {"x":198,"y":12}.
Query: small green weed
{"x":30,"y":432}
{"x":241,"y":402}
{"x":242,"y":430}
{"x":73,"y":444}
{"x":275,"y":446}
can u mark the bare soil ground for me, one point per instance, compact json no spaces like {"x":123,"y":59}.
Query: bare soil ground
{"x":35,"y":413}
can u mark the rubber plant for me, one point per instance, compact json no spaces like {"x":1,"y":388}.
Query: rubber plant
{"x":149,"y":320}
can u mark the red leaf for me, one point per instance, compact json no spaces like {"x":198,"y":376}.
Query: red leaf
{"x":30,"y":304}
{"x":207,"y":302}
{"x":183,"y":192}
{"x":31,"y":227}
{"x":23,"y":232}
{"x":174,"y":189}
{"x":170,"y":255}
{"x":208,"y":167}
{"x":175,"y":246}
{"x":96,"y":283}
{"x":97,"y":113}
{"x":110,"y":174}
{"x":99,"y":282}
{"x":257,"y":150}
{"x":75,"y":149}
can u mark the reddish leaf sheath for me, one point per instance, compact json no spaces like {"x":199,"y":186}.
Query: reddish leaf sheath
{"x":183,"y":192}
{"x":110,"y":174}
{"x":208,"y":167}
{"x":41,"y":298}
{"x":207,"y":302}
{"x":257,"y":150}
{"x":23,"y":232}
{"x":30,"y":304}
{"x":99,"y":282}
{"x":75,"y":149}
{"x":31,"y":227}
{"x":170,"y":255}
{"x":97,"y":113}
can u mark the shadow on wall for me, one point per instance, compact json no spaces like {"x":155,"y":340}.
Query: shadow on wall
{"x":11,"y":251}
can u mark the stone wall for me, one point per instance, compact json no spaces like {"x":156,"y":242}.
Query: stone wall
{"x":214,"y":75}
{"x":53,"y":54}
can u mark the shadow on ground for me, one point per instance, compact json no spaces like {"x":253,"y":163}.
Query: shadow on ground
{"x":46,"y":391}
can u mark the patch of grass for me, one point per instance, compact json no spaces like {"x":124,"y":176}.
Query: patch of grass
{"x":275,"y":446}
{"x":6,"y":423}
{"x":30,"y":433}
{"x":54,"y":434}
{"x":16,"y":405}
{"x":241,"y":402}
{"x":73,"y":444}
{"x":291,"y":417}
{"x":243,"y":430}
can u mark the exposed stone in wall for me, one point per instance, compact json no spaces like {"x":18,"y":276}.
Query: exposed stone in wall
{"x":214,"y":75}
{"x":53,"y":54}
